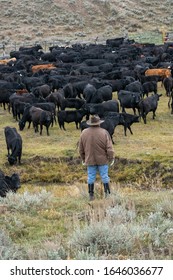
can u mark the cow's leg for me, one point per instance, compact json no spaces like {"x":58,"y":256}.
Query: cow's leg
{"x":19,"y":158}
{"x":29,"y":124}
{"x":123,"y":110}
{"x":41,"y":128}
{"x":134,"y":111}
{"x":144,"y":118}
{"x":154,"y":114}
{"x":125,"y":129}
{"x":8,"y":151}
{"x":63,"y":126}
{"x":47,"y":129}
{"x":129,"y":128}
{"x":35,"y":127}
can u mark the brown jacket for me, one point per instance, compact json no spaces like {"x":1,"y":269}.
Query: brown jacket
{"x":95,"y":146}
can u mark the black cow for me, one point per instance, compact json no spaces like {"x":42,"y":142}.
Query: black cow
{"x":115,"y":42}
{"x":43,"y":90}
{"x":168,"y":85}
{"x":47,"y":106}
{"x":135,"y":86}
{"x":9,"y":183}
{"x":89,"y":92}
{"x":14,"y":144}
{"x":148,"y":87}
{"x":56,"y":97}
{"x":149,"y":104}
{"x":125,"y":119}
{"x":118,"y":84}
{"x":129,"y":119}
{"x":25,"y":118}
{"x":111,"y":120}
{"x":41,"y":118}
{"x":18,"y":108}
{"x":70,"y":116}
{"x":105,"y":92}
{"x":171,"y":101}
{"x":129,"y":99}
{"x":101,"y":108}
{"x":71,"y":103}
{"x":5,"y":97}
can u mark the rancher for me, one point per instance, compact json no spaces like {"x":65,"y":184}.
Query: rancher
{"x":96,"y":152}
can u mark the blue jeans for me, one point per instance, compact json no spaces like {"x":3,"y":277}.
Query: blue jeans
{"x":103,"y":171}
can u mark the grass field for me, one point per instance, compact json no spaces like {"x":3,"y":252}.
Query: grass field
{"x":48,"y":156}
{"x":50,"y":215}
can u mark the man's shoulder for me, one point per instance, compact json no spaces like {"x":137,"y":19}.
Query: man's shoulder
{"x":85,"y":131}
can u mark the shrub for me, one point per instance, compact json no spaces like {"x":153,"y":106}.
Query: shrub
{"x":121,"y":233}
{"x":8,"y":250}
{"x":26,"y":201}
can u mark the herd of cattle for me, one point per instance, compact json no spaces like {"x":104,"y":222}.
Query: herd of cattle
{"x":67,"y":84}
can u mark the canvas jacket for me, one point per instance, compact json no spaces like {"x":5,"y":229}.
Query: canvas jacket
{"x":95,"y":146}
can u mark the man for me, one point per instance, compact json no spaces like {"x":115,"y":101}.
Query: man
{"x":96,"y":151}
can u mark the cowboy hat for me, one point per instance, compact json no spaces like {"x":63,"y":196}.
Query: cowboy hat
{"x":94,"y":120}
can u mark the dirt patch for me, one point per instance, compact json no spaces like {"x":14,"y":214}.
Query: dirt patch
{"x":136,"y":173}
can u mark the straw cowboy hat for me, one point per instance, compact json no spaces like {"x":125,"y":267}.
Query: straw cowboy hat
{"x":94,"y":120}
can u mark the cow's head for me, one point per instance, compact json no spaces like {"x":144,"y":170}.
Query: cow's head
{"x":136,"y":98}
{"x":12,"y":160}
{"x":21,"y":125}
{"x":15,"y":180}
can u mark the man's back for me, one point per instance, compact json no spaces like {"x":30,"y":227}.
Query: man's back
{"x":96,"y":145}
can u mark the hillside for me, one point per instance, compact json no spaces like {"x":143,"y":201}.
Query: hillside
{"x":79,"y":20}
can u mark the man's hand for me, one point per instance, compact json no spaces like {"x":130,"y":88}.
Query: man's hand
{"x":112,"y":162}
{"x":83,"y":162}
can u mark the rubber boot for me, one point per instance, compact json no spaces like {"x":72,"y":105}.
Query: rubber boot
{"x":91,"y":191}
{"x":106,"y":189}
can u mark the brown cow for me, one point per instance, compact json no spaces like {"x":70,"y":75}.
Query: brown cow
{"x":36,"y":68}
{"x":163,"y":73}
{"x":5,"y":61}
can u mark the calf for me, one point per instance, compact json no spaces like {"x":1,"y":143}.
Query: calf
{"x":70,"y":116}
{"x":14,"y":144}
{"x":9,"y":183}
{"x":149,"y":104}
{"x":129,"y":119}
